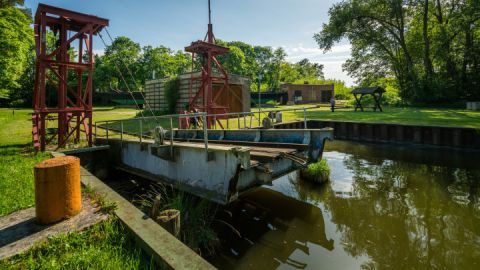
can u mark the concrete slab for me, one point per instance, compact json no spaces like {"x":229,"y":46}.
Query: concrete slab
{"x":19,"y":231}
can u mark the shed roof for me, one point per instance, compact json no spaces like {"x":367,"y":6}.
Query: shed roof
{"x":368,"y":90}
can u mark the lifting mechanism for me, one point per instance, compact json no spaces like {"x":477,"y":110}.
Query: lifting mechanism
{"x":55,"y":69}
{"x":205,"y":98}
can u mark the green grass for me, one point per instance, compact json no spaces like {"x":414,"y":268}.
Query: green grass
{"x":318,"y":172}
{"x":394,"y":115}
{"x":17,"y":157}
{"x":106,"y":245}
{"x":412,"y":116}
{"x":16,"y":178}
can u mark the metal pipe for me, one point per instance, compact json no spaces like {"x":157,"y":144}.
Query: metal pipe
{"x":244,"y":121}
{"x":205,"y":135}
{"x":238,"y":121}
{"x":305,"y":118}
{"x":121,"y":131}
{"x":106,"y":124}
{"x":171,"y":136}
{"x":95,"y":125}
{"x":141,"y":130}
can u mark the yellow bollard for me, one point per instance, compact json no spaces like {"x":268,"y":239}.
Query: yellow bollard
{"x":57,"y":189}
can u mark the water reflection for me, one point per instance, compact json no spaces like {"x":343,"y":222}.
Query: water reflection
{"x":378,"y":212}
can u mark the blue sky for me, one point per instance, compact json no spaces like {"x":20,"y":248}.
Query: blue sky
{"x":175,"y":23}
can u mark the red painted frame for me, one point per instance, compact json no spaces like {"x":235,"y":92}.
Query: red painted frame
{"x":74,"y":102}
{"x":204,"y":100}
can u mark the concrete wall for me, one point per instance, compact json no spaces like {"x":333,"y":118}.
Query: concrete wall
{"x":155,"y":93}
{"x":311,"y":93}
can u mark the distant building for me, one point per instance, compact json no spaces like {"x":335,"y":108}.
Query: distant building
{"x":237,"y":99}
{"x":308,"y":93}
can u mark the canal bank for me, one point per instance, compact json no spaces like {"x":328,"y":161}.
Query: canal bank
{"x":438,"y":136}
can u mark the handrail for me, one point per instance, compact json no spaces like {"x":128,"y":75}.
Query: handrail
{"x":200,"y":115}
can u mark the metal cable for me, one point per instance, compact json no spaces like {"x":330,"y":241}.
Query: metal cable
{"x":121,"y":75}
{"x":133,"y":79}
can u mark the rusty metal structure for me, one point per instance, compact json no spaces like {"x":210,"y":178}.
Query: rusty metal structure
{"x":204,"y":99}
{"x":63,"y":82}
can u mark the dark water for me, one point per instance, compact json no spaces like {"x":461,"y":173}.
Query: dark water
{"x":384,"y":208}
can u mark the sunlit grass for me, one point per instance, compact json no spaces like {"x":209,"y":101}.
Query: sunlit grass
{"x":104,"y":246}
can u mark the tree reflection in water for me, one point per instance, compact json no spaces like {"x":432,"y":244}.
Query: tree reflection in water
{"x":385,"y":208}
{"x":405,"y":215}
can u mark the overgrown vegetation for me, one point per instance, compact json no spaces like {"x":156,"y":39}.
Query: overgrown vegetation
{"x":172,"y":93}
{"x":197,"y":216}
{"x":318,"y":172}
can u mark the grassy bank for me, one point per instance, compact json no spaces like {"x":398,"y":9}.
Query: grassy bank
{"x":393,"y":115}
{"x":17,"y":158}
{"x":107,"y":245}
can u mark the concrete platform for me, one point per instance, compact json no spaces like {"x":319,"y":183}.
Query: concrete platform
{"x":19,"y":231}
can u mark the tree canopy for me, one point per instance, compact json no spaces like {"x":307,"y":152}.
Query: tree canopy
{"x":430,"y":47}
{"x":16,"y":39}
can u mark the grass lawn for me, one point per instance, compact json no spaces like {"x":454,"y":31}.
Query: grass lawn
{"x":413,"y":116}
{"x":107,"y":245}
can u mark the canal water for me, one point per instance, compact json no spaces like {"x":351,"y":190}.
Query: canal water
{"x":386,"y":207}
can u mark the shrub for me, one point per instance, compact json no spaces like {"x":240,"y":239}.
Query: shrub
{"x":318,"y":172}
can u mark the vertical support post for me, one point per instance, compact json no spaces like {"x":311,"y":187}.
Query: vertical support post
{"x":171,"y":136}
{"x":244,"y":121}
{"x":106,"y":125}
{"x":141,"y":130}
{"x":304,"y":118}
{"x":95,"y":131}
{"x":238,"y":121}
{"x":121,"y":132}
{"x":228,"y":122}
{"x":205,"y":135}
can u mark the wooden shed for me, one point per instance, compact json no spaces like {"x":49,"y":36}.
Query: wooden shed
{"x":237,"y":99}
{"x":308,"y":93}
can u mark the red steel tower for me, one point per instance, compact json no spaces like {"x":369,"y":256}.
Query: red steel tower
{"x":63,"y":82}
{"x":211,"y":72}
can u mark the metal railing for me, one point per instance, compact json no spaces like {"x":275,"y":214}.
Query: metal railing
{"x":125,"y":128}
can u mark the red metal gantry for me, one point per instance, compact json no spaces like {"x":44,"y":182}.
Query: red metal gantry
{"x":205,"y":99}
{"x":69,"y":78}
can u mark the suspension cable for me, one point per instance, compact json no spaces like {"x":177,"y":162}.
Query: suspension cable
{"x":133,"y":79}
{"x":121,"y":75}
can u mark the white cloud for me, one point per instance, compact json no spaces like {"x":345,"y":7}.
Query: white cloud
{"x":99,"y":52}
{"x":332,"y":60}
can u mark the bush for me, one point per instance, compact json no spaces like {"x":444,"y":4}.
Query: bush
{"x":317,"y":173}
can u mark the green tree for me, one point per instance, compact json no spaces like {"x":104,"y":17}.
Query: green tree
{"x":234,"y":61}
{"x":16,"y":39}
{"x":163,"y":61}
{"x":121,"y":62}
{"x":430,"y":47}
{"x":310,"y":70}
